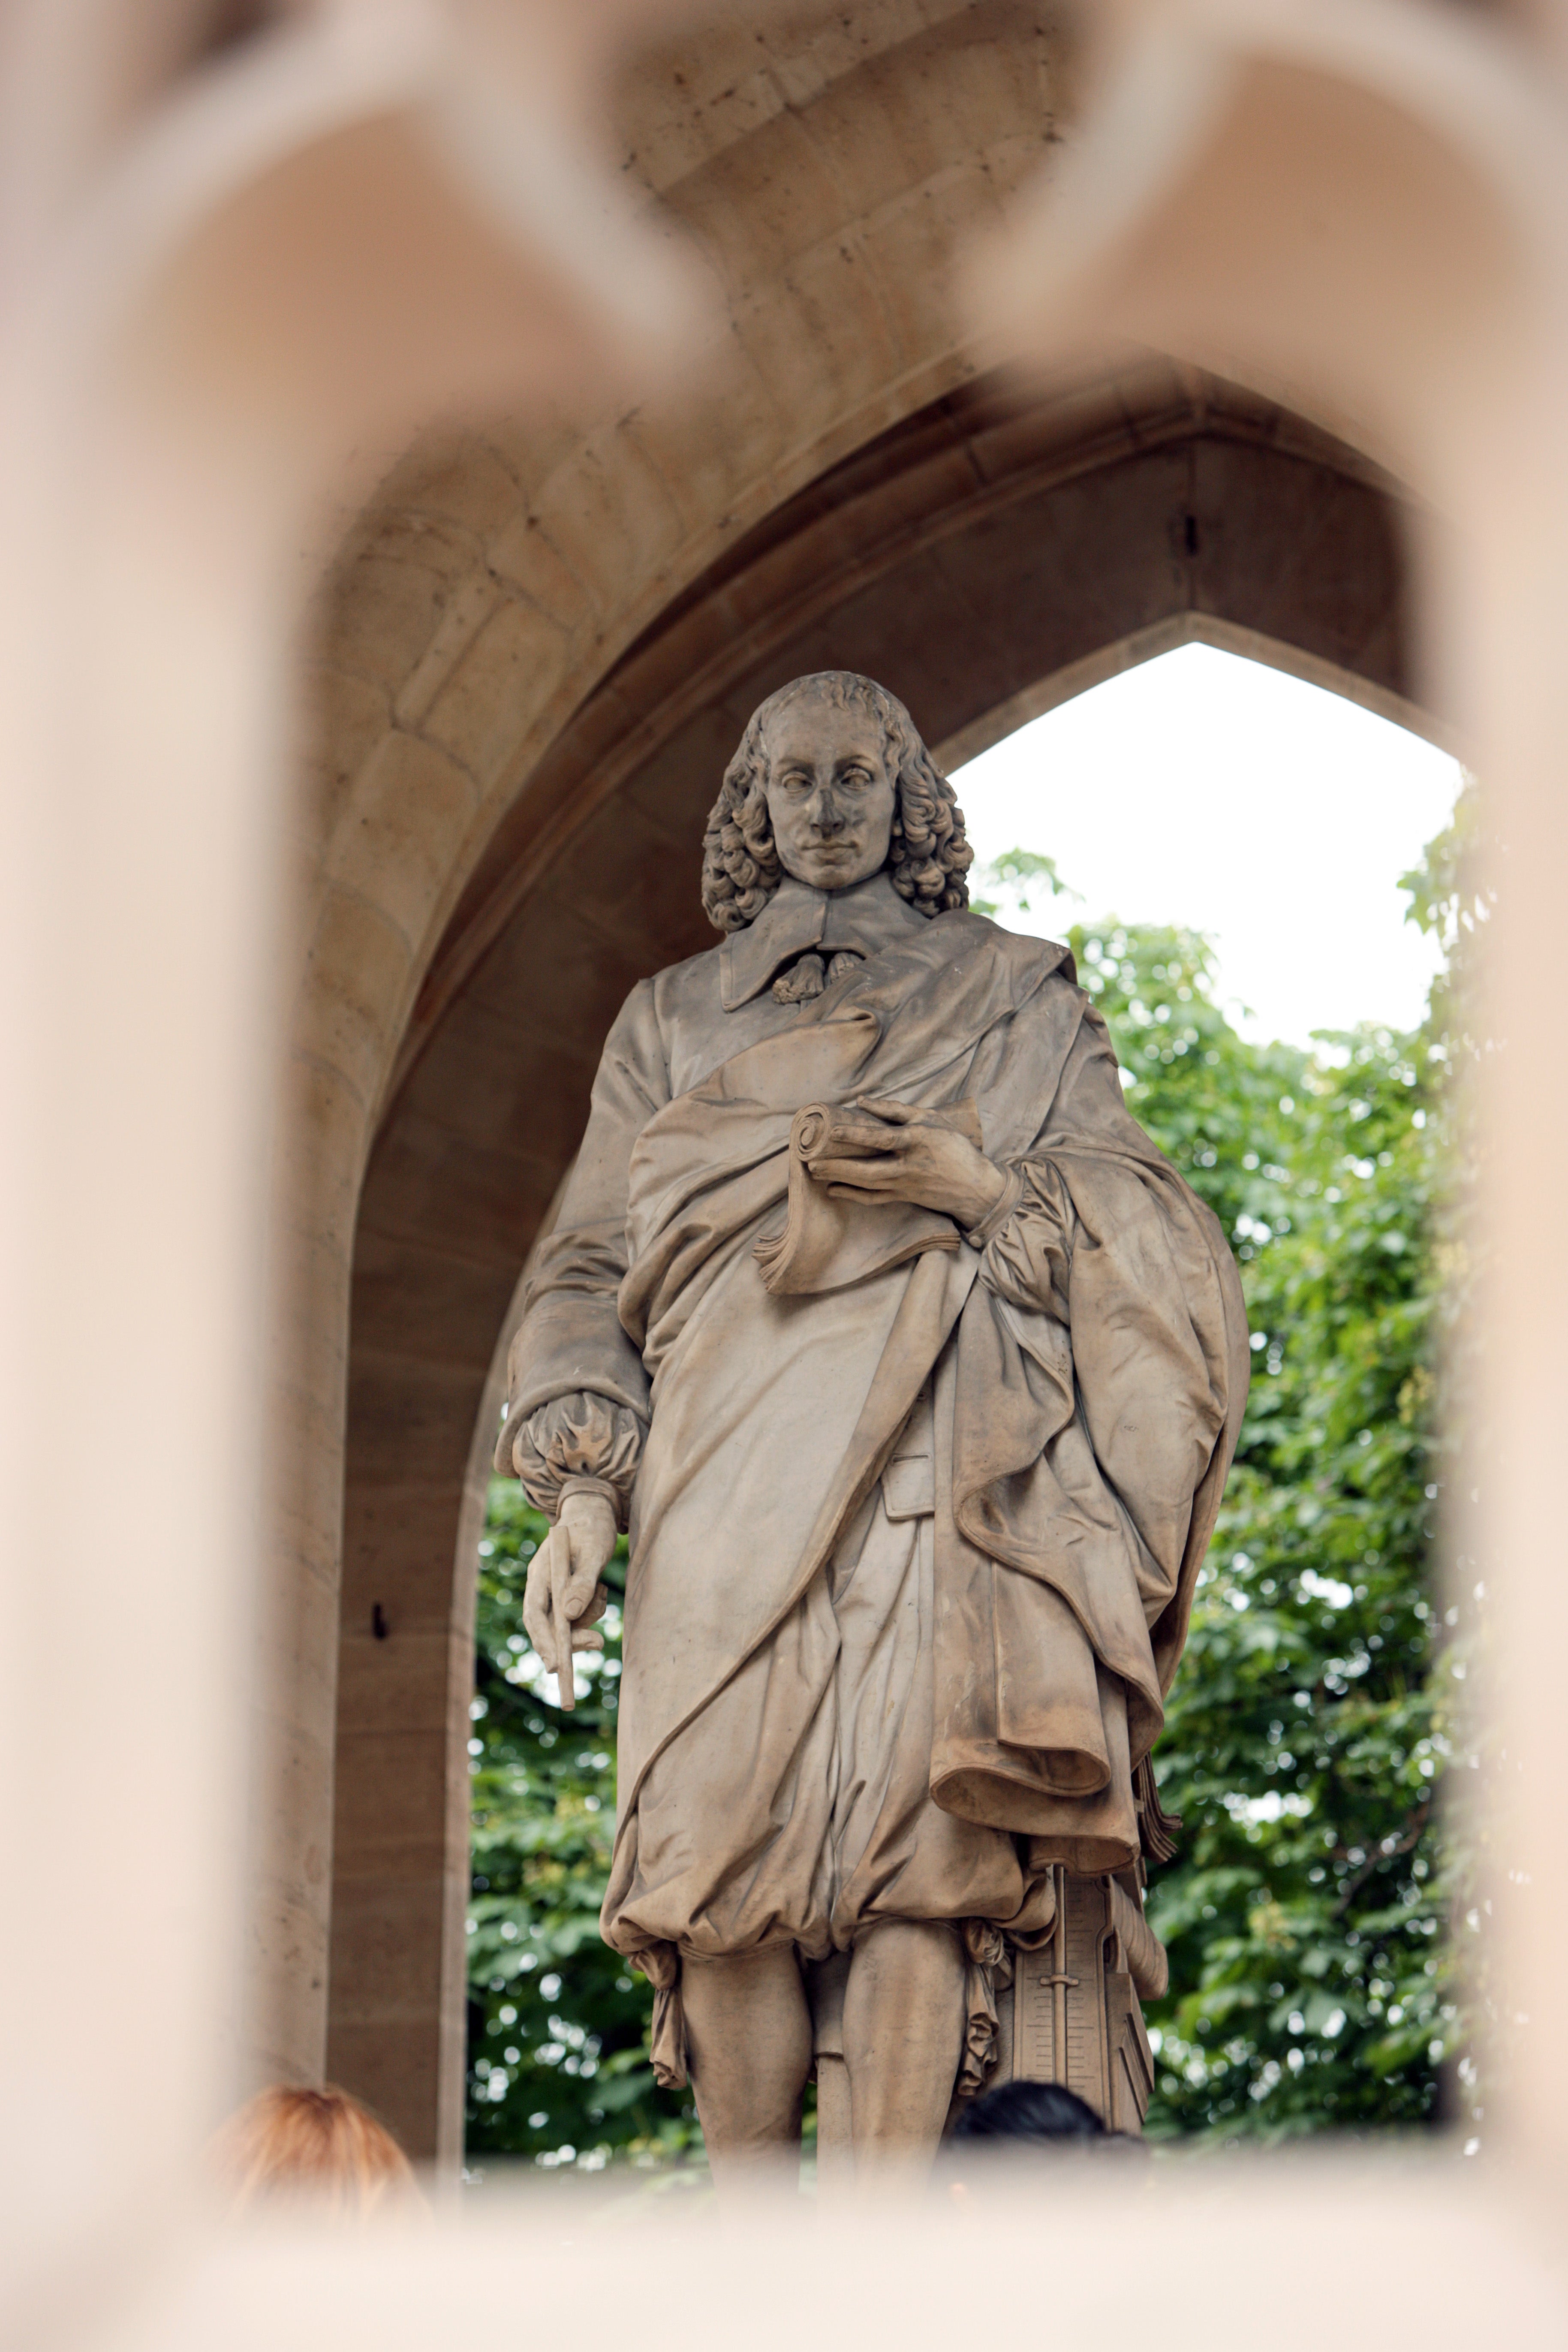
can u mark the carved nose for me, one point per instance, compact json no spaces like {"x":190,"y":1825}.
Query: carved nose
{"x":830,"y":817}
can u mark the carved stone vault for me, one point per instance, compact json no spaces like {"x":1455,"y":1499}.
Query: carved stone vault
{"x":990,"y":554}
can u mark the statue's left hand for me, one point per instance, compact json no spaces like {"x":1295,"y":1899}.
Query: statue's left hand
{"x":897,"y":1151}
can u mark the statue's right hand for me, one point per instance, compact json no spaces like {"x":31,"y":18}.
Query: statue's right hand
{"x":563,"y":1595}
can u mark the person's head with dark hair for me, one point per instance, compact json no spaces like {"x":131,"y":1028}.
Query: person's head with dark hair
{"x":1028,"y":2111}
{"x":1000,"y":2137}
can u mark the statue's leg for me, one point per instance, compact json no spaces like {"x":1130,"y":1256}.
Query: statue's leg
{"x":903,"y":2038}
{"x":748,"y":2031}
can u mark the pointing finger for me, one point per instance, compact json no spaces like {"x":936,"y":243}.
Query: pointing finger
{"x":584,"y":1574}
{"x":561,"y":1619}
{"x":536,"y":1617}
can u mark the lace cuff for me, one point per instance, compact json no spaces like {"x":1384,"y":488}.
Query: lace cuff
{"x":1027,"y":1253}
{"x":575,"y":1444}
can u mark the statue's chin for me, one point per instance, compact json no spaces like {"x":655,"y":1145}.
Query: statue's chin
{"x":832,"y":873}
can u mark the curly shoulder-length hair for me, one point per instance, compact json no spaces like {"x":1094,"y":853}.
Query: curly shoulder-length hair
{"x":928,"y":855}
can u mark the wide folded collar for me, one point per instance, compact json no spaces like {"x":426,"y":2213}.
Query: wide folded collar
{"x":796,"y":919}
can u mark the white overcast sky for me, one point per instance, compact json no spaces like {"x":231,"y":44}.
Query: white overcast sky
{"x":1206,"y":790}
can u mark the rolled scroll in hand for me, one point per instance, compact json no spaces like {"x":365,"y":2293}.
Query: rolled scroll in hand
{"x":833,"y":1236}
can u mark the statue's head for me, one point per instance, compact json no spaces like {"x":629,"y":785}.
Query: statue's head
{"x":831,"y":783}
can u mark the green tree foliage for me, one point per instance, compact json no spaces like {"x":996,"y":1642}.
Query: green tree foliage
{"x":1305,"y":1910}
{"x":1304,"y":1913}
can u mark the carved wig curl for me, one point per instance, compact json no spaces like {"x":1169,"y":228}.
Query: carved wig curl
{"x":928,"y":855}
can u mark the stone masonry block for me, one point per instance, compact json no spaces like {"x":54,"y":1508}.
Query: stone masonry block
{"x":523,"y":554}
{"x":611,"y":521}
{"x":413,"y":812}
{"x":345,"y":717}
{"x":355,"y":999}
{"x":486,"y":706}
{"x":452,"y":479}
{"x":385,"y":608}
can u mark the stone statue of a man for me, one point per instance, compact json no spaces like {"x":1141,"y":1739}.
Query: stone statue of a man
{"x":915,"y":1371}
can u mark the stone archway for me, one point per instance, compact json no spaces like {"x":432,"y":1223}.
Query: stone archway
{"x":991,"y":552}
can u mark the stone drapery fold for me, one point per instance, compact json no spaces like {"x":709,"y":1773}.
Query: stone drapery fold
{"x":987,"y":1970}
{"x":661,"y":1963}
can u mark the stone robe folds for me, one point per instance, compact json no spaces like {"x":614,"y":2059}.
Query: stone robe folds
{"x":913,"y":1555}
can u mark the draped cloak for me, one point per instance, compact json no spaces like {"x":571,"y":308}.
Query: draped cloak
{"x":1074,"y":1398}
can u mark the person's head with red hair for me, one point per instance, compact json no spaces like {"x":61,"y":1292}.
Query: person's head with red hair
{"x":320,"y":2148}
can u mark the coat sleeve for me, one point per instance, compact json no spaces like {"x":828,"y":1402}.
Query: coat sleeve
{"x":1027,"y":1260}
{"x":576,"y":1443}
{"x":1111,"y":1265}
{"x":1156,"y":1319}
{"x":577,"y":1394}
{"x":1151,"y":1294}
{"x":1099,"y":1375}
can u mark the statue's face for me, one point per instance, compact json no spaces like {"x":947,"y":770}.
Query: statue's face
{"x":831,"y":795}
